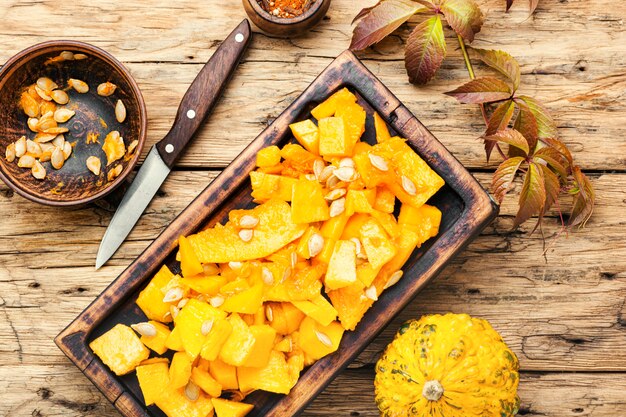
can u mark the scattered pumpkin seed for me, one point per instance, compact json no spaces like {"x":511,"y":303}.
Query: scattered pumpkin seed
{"x":43,"y":94}
{"x":33,"y":148}
{"x":57,"y":159}
{"x":145,"y":329}
{"x":106,"y":89}
{"x":269,"y":313}
{"x":131,"y":148}
{"x":58,"y":141}
{"x":60,"y":96}
{"x":78,"y":85}
{"x":120,"y":111}
{"x":26,"y":161}
{"x":20,"y":147}
{"x":63,"y":115}
{"x":286,"y":275}
{"x":408,"y":185}
{"x":42,"y":137}
{"x":29,"y":105}
{"x":46,"y":84}
{"x":67,"y":150}
{"x":315,"y":244}
{"x":332,"y":181}
{"x":38,"y":171}
{"x":345,"y":174}
{"x":47,"y":106}
{"x":174,"y":311}
{"x":79,"y":57}
{"x":371,"y":293}
{"x":326,"y":173}
{"x":192,"y":392}
{"x":216,"y":301}
{"x":9,"y":153}
{"x":33,"y":124}
{"x":67,"y":55}
{"x":45,"y":156}
{"x":182,"y":303}
{"x":318,"y":167}
{"x":346,"y":162}
{"x":173,"y":295}
{"x":94,"y":164}
{"x":378,"y":162}
{"x":268,"y":276}
{"x":235,"y":265}
{"x":248,"y":222}
{"x":246,"y":234}
{"x":337,"y":207}
{"x":56,"y":130}
{"x":206,"y":327}
{"x":335,"y":194}
{"x":323,"y":338}
{"x":394,"y":278}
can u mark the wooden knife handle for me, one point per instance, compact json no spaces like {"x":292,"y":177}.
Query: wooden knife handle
{"x":203,"y":93}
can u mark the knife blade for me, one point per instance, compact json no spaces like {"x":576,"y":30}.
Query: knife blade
{"x":195,"y":106}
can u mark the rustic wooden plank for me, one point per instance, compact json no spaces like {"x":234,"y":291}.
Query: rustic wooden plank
{"x":570,"y":54}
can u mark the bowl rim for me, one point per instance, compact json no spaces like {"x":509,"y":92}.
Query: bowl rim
{"x":25,"y":55}
{"x":287,"y":21}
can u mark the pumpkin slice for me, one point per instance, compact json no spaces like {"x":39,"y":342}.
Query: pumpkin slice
{"x":226,"y":408}
{"x":318,"y":341}
{"x":307,"y":134}
{"x":335,"y":139}
{"x":266,"y":186}
{"x":342,"y":267}
{"x":206,"y":382}
{"x":264,"y":337}
{"x":285,"y":317}
{"x":189,"y":323}
{"x":120,"y":349}
{"x":274,"y":377}
{"x":189,"y":263}
{"x":332,"y":103}
{"x":174,"y":403}
{"x":351,"y":304}
{"x":153,"y":379}
{"x":354,"y":117}
{"x":268,"y":157}
{"x":224,"y":373}
{"x":318,"y":308}
{"x":150,"y":299}
{"x":238,"y":347}
{"x":180,"y":370}
{"x":157,"y":342}
{"x":215,"y":339}
{"x":382,"y":132}
{"x":307,"y":202}
{"x":377,"y":245}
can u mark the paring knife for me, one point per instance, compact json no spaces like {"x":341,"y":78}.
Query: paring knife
{"x":195,"y":106}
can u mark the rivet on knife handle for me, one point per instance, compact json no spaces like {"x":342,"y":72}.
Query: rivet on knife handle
{"x":203,"y":93}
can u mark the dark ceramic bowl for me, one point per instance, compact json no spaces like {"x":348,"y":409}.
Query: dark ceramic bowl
{"x":73,"y":184}
{"x":286,"y":27}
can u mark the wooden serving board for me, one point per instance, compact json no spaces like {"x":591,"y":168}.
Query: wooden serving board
{"x":465,"y":205}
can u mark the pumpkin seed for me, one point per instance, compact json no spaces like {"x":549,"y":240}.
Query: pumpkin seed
{"x":94,"y":164}
{"x":29,"y":105}
{"x":57,"y":159}
{"x":26,"y":161}
{"x":47,"y":106}
{"x":78,"y":85}
{"x":332,"y":182}
{"x":106,"y":89}
{"x":268,"y":276}
{"x":47,"y":147}
{"x":145,"y":329}
{"x":38,"y":171}
{"x":310,"y":177}
{"x":294,"y":259}
{"x":67,"y":56}
{"x":346,"y":162}
{"x":33,"y":148}
{"x":359,"y":248}
{"x":182,"y":303}
{"x":20,"y":147}
{"x":246,"y":234}
{"x":206,"y":327}
{"x":327,"y":173}
{"x":248,"y":222}
{"x":46,"y":84}
{"x":120,"y":111}
{"x":378,"y":162}
{"x":323,"y":338}
{"x":192,"y":392}
{"x":337,"y":207}
{"x":47,"y":122}
{"x":56,"y":130}
{"x":335,"y":194}
{"x":315,"y":244}
{"x":45,"y":156}
{"x":67,"y":150}
{"x":286,"y":275}
{"x":345,"y":174}
{"x":318,"y":167}
{"x":173,"y":295}
{"x":174,"y":311}
{"x":58,"y":141}
{"x":216,"y":301}
{"x":79,"y":57}
{"x":42,"y":137}
{"x":371,"y":293}
{"x":9,"y":153}
{"x":210,"y":269}
{"x":393,"y":279}
{"x":32,"y":123}
{"x":234,"y":265}
{"x":114,"y":173}
{"x":63,"y":115}
{"x":131,"y":148}
{"x":44,"y":94}
{"x":269,"y":314}
{"x":408,"y":185}
{"x":60,"y":96}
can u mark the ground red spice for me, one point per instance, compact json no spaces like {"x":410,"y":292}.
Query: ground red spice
{"x":286,"y":8}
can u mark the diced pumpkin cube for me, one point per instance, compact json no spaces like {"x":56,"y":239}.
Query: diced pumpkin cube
{"x":424,"y":221}
{"x":274,"y":377}
{"x":388,"y":222}
{"x":366,"y":273}
{"x":370,"y":175}
{"x":353,"y":226}
{"x":307,"y":134}
{"x":205,"y":284}
{"x":275,"y":229}
{"x":268,"y":156}
{"x":360,"y":201}
{"x":120,"y":349}
{"x":354,"y":118}
{"x":276,"y":169}
{"x":326,"y":253}
{"x":215,"y":339}
{"x":307,"y":202}
{"x":206,"y":382}
{"x":351,"y":304}
{"x":189,"y":263}
{"x":318,"y":308}
{"x":298,"y":157}
{"x":286,"y":317}
{"x":238,"y":347}
{"x":342,"y":266}
{"x":150,"y":299}
{"x":174,"y":403}
{"x":157,"y":343}
{"x":264,"y":336}
{"x":189,"y":323}
{"x":382,"y":132}
{"x":267,"y":186}
{"x":305,"y":283}
{"x":226,"y":408}
{"x":334,"y":137}
{"x":303,"y":244}
{"x":173,"y":341}
{"x":385,"y":199}
{"x":331,"y":104}
{"x":224,"y":373}
{"x":333,"y":227}
{"x":153,"y":379}
{"x":245,"y":302}
{"x":180,"y":370}
{"x":376,"y":243}
{"x":151,"y":361}
{"x":285,"y":345}
{"x":318,"y":341}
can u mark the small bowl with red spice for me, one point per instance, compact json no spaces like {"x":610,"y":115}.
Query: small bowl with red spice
{"x":286,"y":18}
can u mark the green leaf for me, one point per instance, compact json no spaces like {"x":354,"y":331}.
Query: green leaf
{"x":525,"y":123}
{"x":503,"y":62}
{"x":482,"y":90}
{"x":584,"y":199}
{"x":553,"y":158}
{"x":464,"y":17}
{"x":425,"y":50}
{"x":533,"y":195}
{"x":499,"y":120}
{"x":381,"y":20}
{"x":511,"y":137}
{"x":504,"y":176}
{"x":546,"y":127}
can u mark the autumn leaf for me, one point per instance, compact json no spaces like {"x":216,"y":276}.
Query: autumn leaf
{"x":525,"y":123}
{"x":546,"y":127}
{"x":464,"y":17}
{"x":553,"y":189}
{"x":502,"y":62}
{"x":509,"y":3}
{"x":504,"y":176}
{"x":561,"y":148}
{"x":381,"y":20}
{"x":553,"y":158}
{"x":365,"y":11}
{"x":512,"y":137}
{"x":584,"y":199}
{"x":425,"y":50}
{"x":533,"y":196}
{"x":532,"y":4}
{"x":482,"y":90}
{"x":499,"y":120}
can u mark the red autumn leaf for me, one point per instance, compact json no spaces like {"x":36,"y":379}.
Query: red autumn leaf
{"x":502,"y":62}
{"x":553,"y":158}
{"x":512,"y":137}
{"x":464,"y":17}
{"x":532,"y":4}
{"x":504,"y":176}
{"x":553,"y":189}
{"x":546,"y":127}
{"x":525,"y":123}
{"x":365,"y":11}
{"x":381,"y":20}
{"x":561,"y":148}
{"x":482,"y":90}
{"x":499,"y":120}
{"x":533,"y":196}
{"x":584,"y":199}
{"x":425,"y":50}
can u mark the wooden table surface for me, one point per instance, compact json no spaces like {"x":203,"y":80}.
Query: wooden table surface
{"x":564,"y":315}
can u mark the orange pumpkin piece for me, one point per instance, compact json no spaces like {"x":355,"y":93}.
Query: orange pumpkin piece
{"x":424,"y":220}
{"x":318,"y":308}
{"x":274,"y":377}
{"x":153,"y":379}
{"x":332,"y":103}
{"x":264,"y":337}
{"x":366,"y":273}
{"x":354,"y":118}
{"x":285,"y":317}
{"x":307,"y":202}
{"x":224,"y":373}
{"x":180,"y":370}
{"x":238,"y":347}
{"x":385,"y":200}
{"x":267,"y":186}
{"x":303,"y":244}
{"x":215,"y":339}
{"x":189,"y":263}
{"x":205,"y":284}
{"x":307,"y":134}
{"x":173,"y":341}
{"x":275,"y":229}
{"x":189,"y":323}
{"x":370,"y":175}
{"x":301,"y":159}
{"x":351,"y":304}
{"x":226,"y":408}
{"x":334,"y":137}
{"x":382,"y":132}
{"x":120,"y":349}
{"x":342,"y":266}
{"x":150,"y":299}
{"x":388,"y":222}
{"x":318,"y":341}
{"x":174,"y":403}
{"x":376,"y":244}
{"x":268,"y":157}
{"x":359,"y":201}
{"x":245,"y":302}
{"x":157,"y":343}
{"x":206,"y":382}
